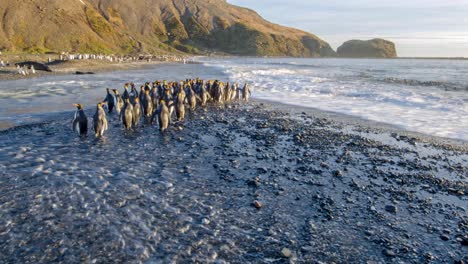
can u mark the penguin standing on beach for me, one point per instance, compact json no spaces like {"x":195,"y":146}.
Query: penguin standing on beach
{"x":133,"y":93}
{"x":192,"y":98}
{"x":125,"y":94}
{"x":245,"y":93}
{"x":234,"y":89}
{"x":136,"y":112}
{"x":180,"y":105}
{"x":126,"y":114}
{"x":163,"y":116}
{"x":80,"y":122}
{"x":154,"y":97}
{"x":147,"y":105}
{"x":118,"y":101}
{"x":110,"y":100}
{"x":205,"y":96}
{"x":100,"y":120}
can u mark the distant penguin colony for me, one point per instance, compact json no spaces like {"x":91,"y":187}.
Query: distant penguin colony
{"x":157,"y":103}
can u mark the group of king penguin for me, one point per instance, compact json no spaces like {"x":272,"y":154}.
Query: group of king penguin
{"x":157,"y":102}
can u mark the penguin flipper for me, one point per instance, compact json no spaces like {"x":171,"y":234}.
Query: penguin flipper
{"x":76,"y":126}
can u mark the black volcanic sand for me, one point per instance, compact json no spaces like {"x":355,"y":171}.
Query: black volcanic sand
{"x":325,"y":190}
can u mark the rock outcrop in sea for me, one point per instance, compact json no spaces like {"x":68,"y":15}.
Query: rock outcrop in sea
{"x":374,"y":48}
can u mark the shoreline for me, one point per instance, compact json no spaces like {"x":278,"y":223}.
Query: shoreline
{"x":70,"y":68}
{"x":341,"y":118}
{"x":360,"y":121}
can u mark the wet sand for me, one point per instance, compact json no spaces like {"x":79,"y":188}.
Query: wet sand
{"x":242,"y":183}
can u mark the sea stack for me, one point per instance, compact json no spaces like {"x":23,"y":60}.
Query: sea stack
{"x":374,"y":48}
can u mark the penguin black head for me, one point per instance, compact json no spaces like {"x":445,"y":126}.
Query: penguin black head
{"x":78,"y":106}
{"x":115,"y":91}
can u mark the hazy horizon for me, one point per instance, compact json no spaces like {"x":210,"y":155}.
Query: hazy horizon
{"x":419,"y":28}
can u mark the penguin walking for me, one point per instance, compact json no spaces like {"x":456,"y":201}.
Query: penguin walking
{"x":192,"y":98}
{"x":147,"y":104}
{"x":246,"y":93}
{"x":163,"y":116}
{"x":136,"y":112}
{"x":80,"y":122}
{"x":154,"y":97}
{"x":205,"y":96}
{"x":126,"y":114}
{"x":100,"y":120}
{"x":234,"y":88}
{"x":126,"y":94}
{"x":180,"y":105}
{"x":118,"y":101}
{"x":110,"y":100}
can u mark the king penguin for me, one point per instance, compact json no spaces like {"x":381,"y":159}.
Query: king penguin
{"x":136,"y":112}
{"x":100,"y":121}
{"x":80,"y":122}
{"x":119,"y":103}
{"x":163,"y":116}
{"x":126,"y":114}
{"x":110,"y":100}
{"x":246,"y":93}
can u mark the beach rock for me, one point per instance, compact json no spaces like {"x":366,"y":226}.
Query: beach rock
{"x":391,"y":208}
{"x":257,"y":204}
{"x":389,"y":253}
{"x":374,"y":48}
{"x":338,"y":173}
{"x":83,"y":73}
{"x":444,"y":237}
{"x":286,"y":252}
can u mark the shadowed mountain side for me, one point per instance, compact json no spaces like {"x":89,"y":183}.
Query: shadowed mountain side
{"x":155,"y":26}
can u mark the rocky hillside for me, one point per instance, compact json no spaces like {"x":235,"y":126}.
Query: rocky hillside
{"x":374,"y":48}
{"x":154,"y":26}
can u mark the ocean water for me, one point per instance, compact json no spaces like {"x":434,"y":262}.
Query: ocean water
{"x":427,"y":96}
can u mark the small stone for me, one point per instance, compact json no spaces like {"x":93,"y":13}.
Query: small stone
{"x":464,"y":241}
{"x":257,"y":204}
{"x":391,"y":208}
{"x":444,"y":237}
{"x":40,"y":160}
{"x":205,"y":221}
{"x":337,"y":173}
{"x":389,"y":253}
{"x":286,"y":252}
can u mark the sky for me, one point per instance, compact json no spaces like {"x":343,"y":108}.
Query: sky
{"x":419,"y":28}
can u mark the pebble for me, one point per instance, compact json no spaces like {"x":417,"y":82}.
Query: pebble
{"x":257,"y":204}
{"x":286,"y":252}
{"x":444,"y":237}
{"x":389,"y":253}
{"x":40,"y":160}
{"x":337,"y":173}
{"x":391,"y":208}
{"x":205,"y":221}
